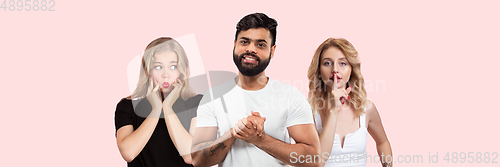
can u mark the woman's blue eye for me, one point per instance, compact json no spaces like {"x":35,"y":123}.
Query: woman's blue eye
{"x":173,"y":67}
{"x":328,"y":63}
{"x":343,"y":64}
{"x":158,"y":67}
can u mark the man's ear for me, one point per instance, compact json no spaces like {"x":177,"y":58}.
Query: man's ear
{"x":273,"y":48}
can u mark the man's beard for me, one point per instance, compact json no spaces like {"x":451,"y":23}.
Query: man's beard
{"x":250,"y":71}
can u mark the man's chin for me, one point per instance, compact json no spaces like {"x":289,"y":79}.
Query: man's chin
{"x":249,"y":72}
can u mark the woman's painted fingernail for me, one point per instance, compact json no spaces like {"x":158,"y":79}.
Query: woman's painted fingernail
{"x":348,"y":98}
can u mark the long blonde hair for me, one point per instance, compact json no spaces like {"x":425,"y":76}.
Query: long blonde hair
{"x":317,"y":88}
{"x":161,"y":45}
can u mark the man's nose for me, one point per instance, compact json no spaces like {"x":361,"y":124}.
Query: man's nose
{"x":251,"y":49}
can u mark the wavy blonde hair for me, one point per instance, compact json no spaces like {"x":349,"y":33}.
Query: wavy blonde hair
{"x":317,"y":88}
{"x":161,"y":45}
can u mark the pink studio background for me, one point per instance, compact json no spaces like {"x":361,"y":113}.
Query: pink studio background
{"x":435,"y":64}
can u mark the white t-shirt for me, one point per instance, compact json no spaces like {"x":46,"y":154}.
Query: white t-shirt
{"x":283,"y":106}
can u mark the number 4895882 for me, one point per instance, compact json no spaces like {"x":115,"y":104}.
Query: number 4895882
{"x":28,"y":5}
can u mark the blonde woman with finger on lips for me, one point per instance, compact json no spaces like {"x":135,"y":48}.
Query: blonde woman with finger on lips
{"x":154,"y":125}
{"x":342,"y":113}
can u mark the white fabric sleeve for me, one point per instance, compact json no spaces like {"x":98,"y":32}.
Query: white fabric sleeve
{"x":299,"y":111}
{"x":205,"y":113}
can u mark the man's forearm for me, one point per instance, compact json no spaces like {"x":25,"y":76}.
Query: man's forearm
{"x":212,"y":152}
{"x":283,"y":151}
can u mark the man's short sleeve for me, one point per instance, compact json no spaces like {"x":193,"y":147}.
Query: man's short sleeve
{"x":205,"y":113}
{"x":299,"y":111}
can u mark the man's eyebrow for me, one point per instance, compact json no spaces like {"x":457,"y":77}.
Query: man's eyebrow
{"x":257,"y":40}
{"x":261,"y":40}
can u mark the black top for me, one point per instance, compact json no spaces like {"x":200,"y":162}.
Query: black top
{"x":160,"y":150}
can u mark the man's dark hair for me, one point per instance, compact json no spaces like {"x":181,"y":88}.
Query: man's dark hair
{"x":257,"y":20}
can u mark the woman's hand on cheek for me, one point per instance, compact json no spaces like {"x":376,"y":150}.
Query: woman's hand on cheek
{"x":174,"y":94}
{"x":153,"y":96}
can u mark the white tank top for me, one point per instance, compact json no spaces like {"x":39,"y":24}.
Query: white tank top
{"x":353,"y":154}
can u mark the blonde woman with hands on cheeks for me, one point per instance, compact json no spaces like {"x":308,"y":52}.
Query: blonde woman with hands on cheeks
{"x":342,"y":112}
{"x":154,"y":125}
